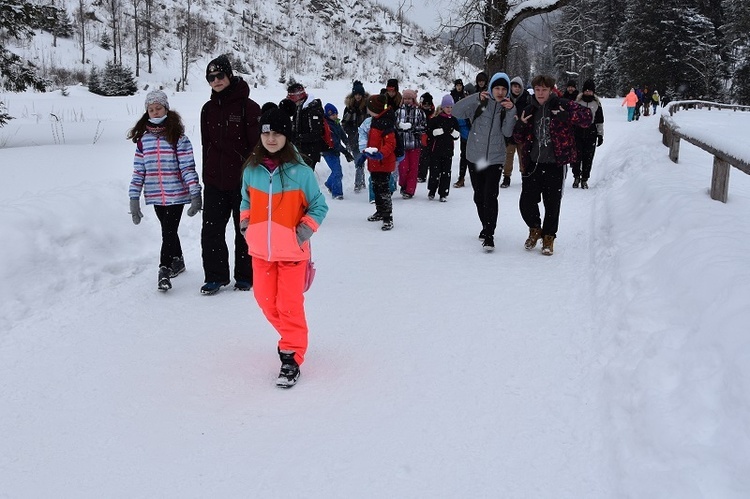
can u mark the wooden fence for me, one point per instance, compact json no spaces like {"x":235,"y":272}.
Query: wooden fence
{"x":671,"y":137}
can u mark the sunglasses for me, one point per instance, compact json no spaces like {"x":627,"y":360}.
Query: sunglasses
{"x":218,"y":76}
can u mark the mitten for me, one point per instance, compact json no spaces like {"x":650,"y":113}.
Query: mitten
{"x":374,"y":155}
{"x":195,"y":205}
{"x":561,"y":115}
{"x":455,"y":134}
{"x":404,"y":126}
{"x":360,"y":161}
{"x":437,"y":132}
{"x":243,"y":226}
{"x":135,"y":211}
{"x":304,"y":233}
{"x":599,"y":140}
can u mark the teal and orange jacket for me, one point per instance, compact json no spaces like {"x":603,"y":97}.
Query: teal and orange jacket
{"x":274,"y":203}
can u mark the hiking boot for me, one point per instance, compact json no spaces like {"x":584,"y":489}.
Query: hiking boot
{"x":482,"y":235}
{"x":488,"y":244}
{"x":576,"y":182}
{"x":547,"y":244}
{"x":289,"y":373}
{"x":430,"y":196}
{"x":387,"y":225}
{"x":584,"y":184}
{"x":212,"y":287}
{"x":243,"y":285}
{"x":535,"y":234}
{"x":375,"y":217}
{"x":177,"y":267}
{"x":164,"y":283}
{"x":506,"y":182}
{"x":406,"y":195}
{"x":459,"y":183}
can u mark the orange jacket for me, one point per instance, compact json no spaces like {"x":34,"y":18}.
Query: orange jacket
{"x":631,"y":99}
{"x":274,"y":203}
{"x":383,"y":137}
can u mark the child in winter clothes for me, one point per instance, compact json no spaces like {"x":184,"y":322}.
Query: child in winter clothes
{"x":428,"y":108}
{"x":411,"y":124}
{"x":333,"y":156}
{"x":281,"y":208}
{"x":381,"y":157}
{"x":164,"y":169}
{"x":442,"y":132}
{"x":355,"y":113}
{"x":631,"y":100}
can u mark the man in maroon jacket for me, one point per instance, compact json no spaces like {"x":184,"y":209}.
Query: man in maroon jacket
{"x":229,"y":131}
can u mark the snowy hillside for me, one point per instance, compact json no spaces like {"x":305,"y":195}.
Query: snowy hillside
{"x":272,"y":42}
{"x":618,"y":367}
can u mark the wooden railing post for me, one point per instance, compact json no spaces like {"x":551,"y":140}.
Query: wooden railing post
{"x":720,"y":180}
{"x":674,"y":148}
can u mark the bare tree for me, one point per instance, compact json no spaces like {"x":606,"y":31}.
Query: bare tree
{"x":114,"y":9}
{"x":136,"y":24}
{"x":148,"y":8}
{"x":489,"y":25}
{"x":81,"y":19}
{"x":184,"y":35}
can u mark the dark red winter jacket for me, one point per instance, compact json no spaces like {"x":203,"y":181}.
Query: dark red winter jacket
{"x":561,"y":130}
{"x":229,"y":129}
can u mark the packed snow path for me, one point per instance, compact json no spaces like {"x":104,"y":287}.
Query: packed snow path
{"x":434,"y":369}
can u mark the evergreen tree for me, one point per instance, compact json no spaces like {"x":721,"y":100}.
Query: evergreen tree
{"x":94,"y":85}
{"x":4,"y":116}
{"x":114,"y":80}
{"x":736,"y":32}
{"x":17,"y":20}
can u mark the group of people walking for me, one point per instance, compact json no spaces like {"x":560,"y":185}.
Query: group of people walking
{"x":258,"y":171}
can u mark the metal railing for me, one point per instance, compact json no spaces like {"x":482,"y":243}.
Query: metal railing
{"x":671,"y":137}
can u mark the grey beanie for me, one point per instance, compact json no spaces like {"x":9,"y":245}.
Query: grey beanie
{"x":157,"y":97}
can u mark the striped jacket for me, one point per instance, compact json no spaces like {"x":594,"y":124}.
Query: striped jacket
{"x":166,"y":174}
{"x":274,"y":203}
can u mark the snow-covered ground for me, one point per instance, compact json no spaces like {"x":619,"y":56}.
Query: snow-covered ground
{"x":618,"y":367}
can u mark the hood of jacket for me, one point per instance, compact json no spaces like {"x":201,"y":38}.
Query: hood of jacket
{"x":495,"y":77}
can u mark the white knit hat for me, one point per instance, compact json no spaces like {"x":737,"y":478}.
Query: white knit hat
{"x":157,"y":97}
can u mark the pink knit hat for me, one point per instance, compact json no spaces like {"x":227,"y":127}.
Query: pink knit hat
{"x":409,"y":94}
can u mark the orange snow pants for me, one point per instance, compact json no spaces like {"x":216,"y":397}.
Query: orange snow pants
{"x":278,"y":289}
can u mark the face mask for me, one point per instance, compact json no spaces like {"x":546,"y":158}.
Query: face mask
{"x":157,"y":121}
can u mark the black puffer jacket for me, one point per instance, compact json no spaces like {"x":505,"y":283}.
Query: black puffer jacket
{"x":229,"y":131}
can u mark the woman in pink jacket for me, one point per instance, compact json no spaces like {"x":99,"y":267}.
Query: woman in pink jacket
{"x":631,"y":100}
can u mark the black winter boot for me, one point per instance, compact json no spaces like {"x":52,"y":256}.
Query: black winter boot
{"x":289,"y":373}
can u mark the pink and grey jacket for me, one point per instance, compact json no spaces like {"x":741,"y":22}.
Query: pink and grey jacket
{"x":274,"y":203}
{"x":165,"y":173}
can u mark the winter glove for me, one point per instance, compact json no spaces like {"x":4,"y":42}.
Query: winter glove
{"x":304,"y":233}
{"x":135,"y":211}
{"x":195,"y":205}
{"x":599,"y":140}
{"x":404,"y":126}
{"x":561,"y":115}
{"x":348,"y":156}
{"x":437,"y":132}
{"x":243,"y":226}
{"x":374,"y":155}
{"x":455,"y":134}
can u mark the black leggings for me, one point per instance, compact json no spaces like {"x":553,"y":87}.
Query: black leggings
{"x":169,"y":218}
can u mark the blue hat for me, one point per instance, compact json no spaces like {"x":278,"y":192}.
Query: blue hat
{"x":330,"y":109}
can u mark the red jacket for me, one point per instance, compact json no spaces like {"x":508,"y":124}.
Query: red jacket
{"x":229,"y":131}
{"x":383,"y":136}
